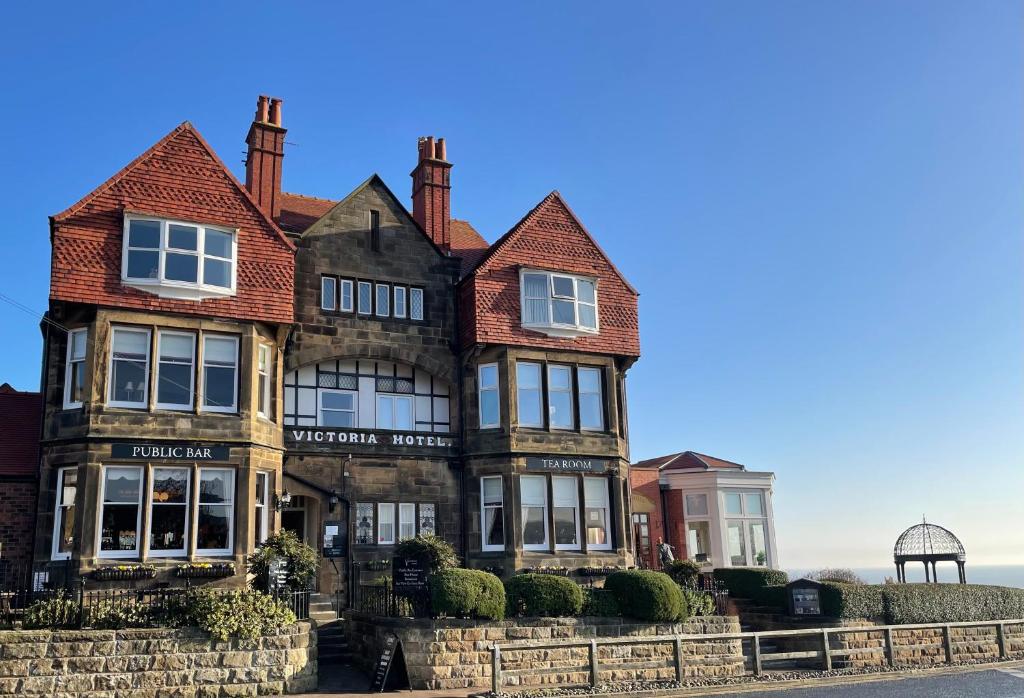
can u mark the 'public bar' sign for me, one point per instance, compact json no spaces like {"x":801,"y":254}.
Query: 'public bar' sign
{"x":170,"y":451}
{"x":567,"y":464}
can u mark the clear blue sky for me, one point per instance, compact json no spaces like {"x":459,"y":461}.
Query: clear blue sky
{"x":821,"y":204}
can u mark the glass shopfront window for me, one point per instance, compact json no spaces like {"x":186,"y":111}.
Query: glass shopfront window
{"x":120,"y":512}
{"x":567,"y":512}
{"x":168,"y":513}
{"x":215,"y":517}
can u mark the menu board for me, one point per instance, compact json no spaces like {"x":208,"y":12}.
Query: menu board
{"x":409,"y":574}
{"x":806,"y":602}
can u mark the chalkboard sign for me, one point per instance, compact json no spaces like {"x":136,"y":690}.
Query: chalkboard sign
{"x":278,"y":573}
{"x":392,"y":648}
{"x":335,"y":539}
{"x":409,"y":574}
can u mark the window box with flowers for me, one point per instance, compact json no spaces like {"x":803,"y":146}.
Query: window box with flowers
{"x":556,"y":570}
{"x":599,"y":571}
{"x":123,"y":573}
{"x":378,"y":565}
{"x":193,"y":570}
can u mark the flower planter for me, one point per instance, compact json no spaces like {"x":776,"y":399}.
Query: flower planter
{"x":213,"y":571}
{"x":123,"y":574}
{"x":598,"y":571}
{"x":556,"y":571}
{"x":378,"y":565}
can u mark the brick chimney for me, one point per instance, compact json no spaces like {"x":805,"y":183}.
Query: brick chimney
{"x":265,"y":156}
{"x":431,"y":192}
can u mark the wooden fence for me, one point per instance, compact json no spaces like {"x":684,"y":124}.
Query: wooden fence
{"x":758,"y":656}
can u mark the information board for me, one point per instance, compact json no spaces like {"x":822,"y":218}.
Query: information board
{"x":409,"y":575}
{"x":335,"y":539}
{"x":806,"y":602}
{"x":277,"y":576}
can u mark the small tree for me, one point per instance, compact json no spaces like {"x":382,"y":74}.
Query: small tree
{"x":302,"y":560}
{"x":436,"y":550}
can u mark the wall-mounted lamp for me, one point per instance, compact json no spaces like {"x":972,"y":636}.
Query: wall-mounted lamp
{"x":333,"y":500}
{"x":280,"y":502}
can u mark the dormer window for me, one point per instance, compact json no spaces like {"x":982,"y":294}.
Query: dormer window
{"x":178,"y":260}
{"x":560,"y":305}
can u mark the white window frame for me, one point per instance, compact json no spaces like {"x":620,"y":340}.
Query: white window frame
{"x":359,"y":298}
{"x":600,"y":396}
{"x":423,"y":300}
{"x":261,"y":512}
{"x":191,"y":290}
{"x":406,"y":519}
{"x":345,"y":289}
{"x":111,"y":402}
{"x":394,"y":398}
{"x":547,"y":510}
{"x":328,"y":282}
{"x":400,"y":293}
{"x":386,"y":289}
{"x":552,"y":328}
{"x":565,"y":391}
{"x":484,"y":506}
{"x":187,"y":505}
{"x":390,"y":508}
{"x":320,"y":409}
{"x":264,"y":364}
{"x":540,"y":395}
{"x":69,"y":363}
{"x":606,"y":505}
{"x":100,"y":552}
{"x":223,"y":409}
{"x":743,"y":520}
{"x":215,"y":552}
{"x":481,"y":389}
{"x":191,"y":376}
{"x":60,"y":508}
{"x":575,"y":483}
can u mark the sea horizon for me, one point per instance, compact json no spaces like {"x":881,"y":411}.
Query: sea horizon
{"x":997,"y":575}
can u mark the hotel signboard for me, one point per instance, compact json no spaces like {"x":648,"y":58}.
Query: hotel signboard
{"x":567,"y":464}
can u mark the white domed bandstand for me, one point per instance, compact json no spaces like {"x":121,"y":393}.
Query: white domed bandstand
{"x":930,"y":544}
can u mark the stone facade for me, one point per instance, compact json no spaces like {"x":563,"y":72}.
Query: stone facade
{"x":151,"y":663}
{"x":454,"y":654}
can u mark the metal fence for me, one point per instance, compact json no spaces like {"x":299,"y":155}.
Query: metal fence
{"x":381,"y":600}
{"x":716,"y":590}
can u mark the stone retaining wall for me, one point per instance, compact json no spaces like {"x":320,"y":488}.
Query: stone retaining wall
{"x":452,"y":653}
{"x":924,"y":647}
{"x":155,"y":662}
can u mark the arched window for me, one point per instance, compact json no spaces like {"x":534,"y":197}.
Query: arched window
{"x":366,"y":394}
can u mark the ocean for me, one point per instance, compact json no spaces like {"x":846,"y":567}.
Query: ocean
{"x":999,"y":575}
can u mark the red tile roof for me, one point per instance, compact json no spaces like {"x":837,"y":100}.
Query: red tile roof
{"x":467,"y":244}
{"x":548,"y":237}
{"x":179,"y":177}
{"x":688,"y":460}
{"x":298,"y":211}
{"x":20,"y":417}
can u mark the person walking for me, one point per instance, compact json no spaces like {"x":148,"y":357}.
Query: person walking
{"x":665,"y":553}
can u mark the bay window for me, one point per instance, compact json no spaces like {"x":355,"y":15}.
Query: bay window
{"x":533,"y":494}
{"x":560,"y":397}
{"x":406,"y":521}
{"x":175,"y":370}
{"x":558,"y":304}
{"x":64,"y":513}
{"x":261,"y":509}
{"x":129,"y":368}
{"x":598,"y":519}
{"x":168,"y":511}
{"x":492,"y":521}
{"x":591,"y":401}
{"x":177,"y":259}
{"x":220,"y":373}
{"x":120,"y":511}
{"x":263,"y":382}
{"x":215,"y":516}
{"x":746,"y":528}
{"x":489,"y":406}
{"x":385,"y":524}
{"x":74,"y":370}
{"x":565,"y":496}
{"x":528,"y":394}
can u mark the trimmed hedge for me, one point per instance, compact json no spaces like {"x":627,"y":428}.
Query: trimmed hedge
{"x":600,"y":602}
{"x":772,"y":597}
{"x":901,"y":604}
{"x":744,"y":582}
{"x":464,"y":593}
{"x":647,"y":595}
{"x":545,"y":595}
{"x":683,"y":572}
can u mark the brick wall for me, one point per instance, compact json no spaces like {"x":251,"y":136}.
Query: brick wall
{"x":17,"y":520}
{"x":675,"y":522}
{"x":646,"y":492}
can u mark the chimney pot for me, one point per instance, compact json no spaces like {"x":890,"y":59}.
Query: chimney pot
{"x":275,"y":111}
{"x":440,"y":153}
{"x":265,"y":155}
{"x":261,"y":109}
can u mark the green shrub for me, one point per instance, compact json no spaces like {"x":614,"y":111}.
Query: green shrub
{"x":772,"y":597}
{"x":743,"y":582}
{"x":842,"y":575}
{"x":246,"y":614}
{"x":542,"y":595}
{"x":302,"y":560}
{"x":683,"y":572}
{"x":852,"y":600}
{"x":647,"y":595}
{"x":601,"y":603}
{"x":467,"y":594}
{"x":111,"y":615}
{"x":950,"y":603}
{"x":439,"y":552}
{"x":698,"y":603}
{"x":59,"y":611}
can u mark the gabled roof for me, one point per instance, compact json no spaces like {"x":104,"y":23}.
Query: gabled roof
{"x":551,"y":200}
{"x":467,"y":244}
{"x":183,"y":130}
{"x":299,"y":211}
{"x":688,"y":460}
{"x":20,"y":419}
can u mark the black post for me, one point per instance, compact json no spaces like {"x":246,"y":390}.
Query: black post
{"x":81,"y":603}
